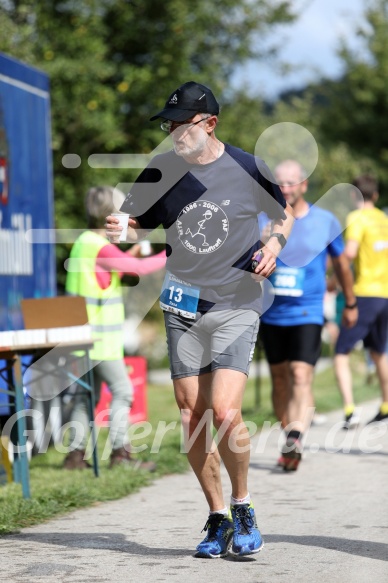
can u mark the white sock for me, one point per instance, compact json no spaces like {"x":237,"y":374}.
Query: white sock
{"x":223,"y":511}
{"x":237,"y":501}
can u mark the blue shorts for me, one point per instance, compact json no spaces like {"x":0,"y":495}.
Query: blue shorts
{"x":371,"y":327}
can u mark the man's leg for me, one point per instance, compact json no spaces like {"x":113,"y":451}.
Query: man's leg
{"x":301,"y":403}
{"x":192,"y":395}
{"x":344,"y":378}
{"x":187,"y":342}
{"x":304,"y":347}
{"x":281,"y":393}
{"x":218,"y":395}
{"x":381,"y":362}
{"x":234,"y":446}
{"x":276,"y":341}
{"x":221,"y":392}
{"x":371,"y":328}
{"x":378,"y":342}
{"x":281,"y":390}
{"x":299,"y":414}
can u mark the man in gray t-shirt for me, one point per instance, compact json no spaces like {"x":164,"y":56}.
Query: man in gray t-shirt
{"x":207,"y":196}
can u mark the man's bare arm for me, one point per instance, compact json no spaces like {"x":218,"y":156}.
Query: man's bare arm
{"x":272,"y":246}
{"x":351,"y":249}
{"x":344,"y":275}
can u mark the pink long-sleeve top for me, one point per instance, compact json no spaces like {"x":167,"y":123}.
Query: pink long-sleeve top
{"x":111,"y":258}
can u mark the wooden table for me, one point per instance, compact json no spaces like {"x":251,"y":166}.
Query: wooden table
{"x":14,"y":372}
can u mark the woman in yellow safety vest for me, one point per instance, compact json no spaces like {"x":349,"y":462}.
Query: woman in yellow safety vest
{"x":94,"y":271}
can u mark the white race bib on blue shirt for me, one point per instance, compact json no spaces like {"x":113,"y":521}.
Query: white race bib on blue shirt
{"x":179,"y":297}
{"x":288,"y":281}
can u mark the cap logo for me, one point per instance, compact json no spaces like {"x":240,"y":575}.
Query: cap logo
{"x":173,"y":100}
{"x":199,"y":98}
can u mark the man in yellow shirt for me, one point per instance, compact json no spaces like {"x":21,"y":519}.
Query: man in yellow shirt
{"x":367,"y":246}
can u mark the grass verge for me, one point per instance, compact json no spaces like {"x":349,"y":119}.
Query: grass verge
{"x":257,"y":400}
{"x":55,"y":491}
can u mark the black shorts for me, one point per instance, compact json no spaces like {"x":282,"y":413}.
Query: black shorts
{"x":282,"y":343}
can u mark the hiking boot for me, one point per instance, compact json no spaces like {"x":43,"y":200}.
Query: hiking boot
{"x":121,"y":456}
{"x":291,"y":454}
{"x":352,"y":420}
{"x":247,"y":539}
{"x":380,"y":417}
{"x":75,"y":460}
{"x":219,"y":529}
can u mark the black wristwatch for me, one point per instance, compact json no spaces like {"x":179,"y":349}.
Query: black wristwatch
{"x":281,"y":238}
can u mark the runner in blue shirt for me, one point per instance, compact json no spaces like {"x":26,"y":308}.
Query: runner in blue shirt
{"x":291,"y":328}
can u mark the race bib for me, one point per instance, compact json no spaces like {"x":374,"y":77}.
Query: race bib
{"x":287,"y":281}
{"x":179,"y":297}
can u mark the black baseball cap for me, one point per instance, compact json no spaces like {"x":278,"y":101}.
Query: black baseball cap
{"x":189,"y":99}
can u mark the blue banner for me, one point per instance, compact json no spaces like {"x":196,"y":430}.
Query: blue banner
{"x":26,"y":189}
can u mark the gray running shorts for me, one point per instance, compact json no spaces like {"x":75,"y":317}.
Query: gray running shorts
{"x":217,"y":339}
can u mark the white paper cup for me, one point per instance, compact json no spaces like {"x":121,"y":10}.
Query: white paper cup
{"x":123,"y":220}
{"x":145,"y":248}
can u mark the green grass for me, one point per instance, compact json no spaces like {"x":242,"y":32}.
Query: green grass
{"x":55,"y":491}
{"x":326,"y":394}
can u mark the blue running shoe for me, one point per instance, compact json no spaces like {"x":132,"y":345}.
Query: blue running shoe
{"x":219,"y":534}
{"x":246,"y":537}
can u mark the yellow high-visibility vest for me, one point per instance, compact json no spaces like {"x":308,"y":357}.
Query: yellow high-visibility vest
{"x":104,"y":306}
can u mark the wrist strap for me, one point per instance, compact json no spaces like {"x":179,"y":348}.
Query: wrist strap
{"x":281,"y":238}
{"x":351,"y":306}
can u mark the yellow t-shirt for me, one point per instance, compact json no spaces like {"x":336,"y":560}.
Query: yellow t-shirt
{"x":369,"y":227}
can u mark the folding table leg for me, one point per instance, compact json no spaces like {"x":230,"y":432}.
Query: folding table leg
{"x":92,"y":405}
{"x":20,"y":451}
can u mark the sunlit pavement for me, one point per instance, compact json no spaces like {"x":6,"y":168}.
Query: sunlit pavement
{"x":325,"y":523}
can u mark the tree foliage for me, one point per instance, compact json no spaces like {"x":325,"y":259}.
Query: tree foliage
{"x":112,"y":63}
{"x":356,"y":109}
{"x":348,"y":117}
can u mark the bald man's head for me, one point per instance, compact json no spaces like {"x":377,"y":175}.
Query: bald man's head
{"x":292,"y":170}
{"x":291,"y":177}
